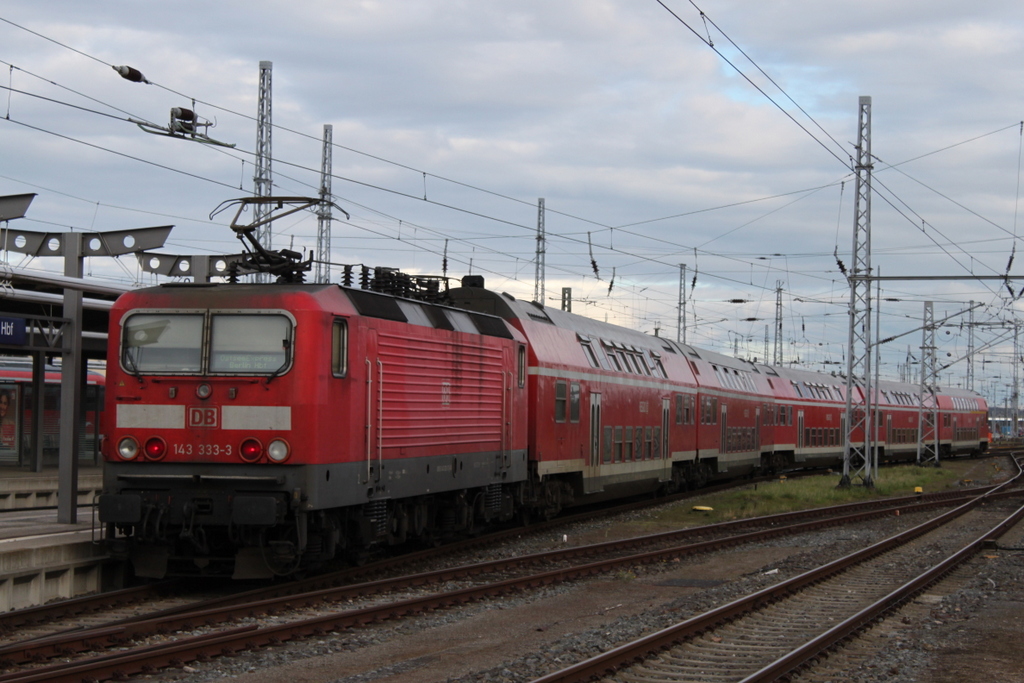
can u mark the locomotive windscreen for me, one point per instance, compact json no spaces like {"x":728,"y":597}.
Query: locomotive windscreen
{"x":163,"y":343}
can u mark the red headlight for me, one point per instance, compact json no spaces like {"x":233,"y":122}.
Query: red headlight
{"x":155,"y":448}
{"x":251,"y":450}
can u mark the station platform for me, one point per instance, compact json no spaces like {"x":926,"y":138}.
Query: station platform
{"x":41,"y":559}
{"x":25,"y":489}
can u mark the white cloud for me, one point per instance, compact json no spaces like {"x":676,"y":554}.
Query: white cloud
{"x":614,"y":112}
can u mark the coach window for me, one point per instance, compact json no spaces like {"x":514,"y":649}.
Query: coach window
{"x":339,"y":348}
{"x":574,"y":402}
{"x":606,"y":445}
{"x":659,"y":369}
{"x":618,"y":444}
{"x":628,"y":362}
{"x":610,"y":352}
{"x":679,"y":409}
{"x":561,"y":397}
{"x":627,"y":445}
{"x":588,"y":351}
{"x":615,"y":360}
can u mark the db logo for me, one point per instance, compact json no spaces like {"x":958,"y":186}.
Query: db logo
{"x":202,"y":417}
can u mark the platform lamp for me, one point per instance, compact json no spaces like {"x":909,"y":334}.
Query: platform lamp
{"x":74,"y":247}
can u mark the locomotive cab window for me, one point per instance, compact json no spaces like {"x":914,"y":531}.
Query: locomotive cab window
{"x":159,"y":343}
{"x":250,"y":343}
{"x":179,"y":343}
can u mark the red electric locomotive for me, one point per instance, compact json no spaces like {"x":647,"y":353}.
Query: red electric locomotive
{"x":254,"y":429}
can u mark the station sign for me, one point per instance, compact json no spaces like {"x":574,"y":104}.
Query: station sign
{"x":12,"y":331}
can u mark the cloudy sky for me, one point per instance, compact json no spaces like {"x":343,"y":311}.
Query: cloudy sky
{"x":657,"y":136}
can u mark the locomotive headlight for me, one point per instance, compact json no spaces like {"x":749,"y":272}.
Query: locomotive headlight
{"x":204,"y":390}
{"x":156,"y":448}
{"x":128,"y":448}
{"x":250,"y":450}
{"x":278,"y":450}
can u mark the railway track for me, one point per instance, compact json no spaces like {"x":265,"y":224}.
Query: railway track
{"x":316,"y":611}
{"x":779,"y":630}
{"x":173,"y":597}
{"x":149,"y":598}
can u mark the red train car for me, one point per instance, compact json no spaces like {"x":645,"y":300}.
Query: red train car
{"x":16,"y":415}
{"x":615,"y":412}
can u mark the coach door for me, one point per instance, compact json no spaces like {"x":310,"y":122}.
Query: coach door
{"x":800,"y":441}
{"x":666,"y":415}
{"x":374,"y":408}
{"x":757,"y":430}
{"x":592,"y":467}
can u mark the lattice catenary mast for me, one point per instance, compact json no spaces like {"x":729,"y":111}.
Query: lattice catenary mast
{"x":681,"y":322}
{"x":777,"y":358}
{"x":323,"y":211}
{"x":857,"y":457}
{"x":262,"y":180}
{"x":928,"y":403}
{"x":538,"y":283}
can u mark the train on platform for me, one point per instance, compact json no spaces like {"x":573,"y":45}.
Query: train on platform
{"x":16,"y":415}
{"x":258,"y":430}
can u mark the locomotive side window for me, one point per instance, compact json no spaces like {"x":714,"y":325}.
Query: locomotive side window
{"x":250,"y":343}
{"x":339,"y":348}
{"x":521,"y":367}
{"x":162,"y":343}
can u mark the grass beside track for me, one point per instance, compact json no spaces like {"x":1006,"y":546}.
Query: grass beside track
{"x":784,"y":495}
